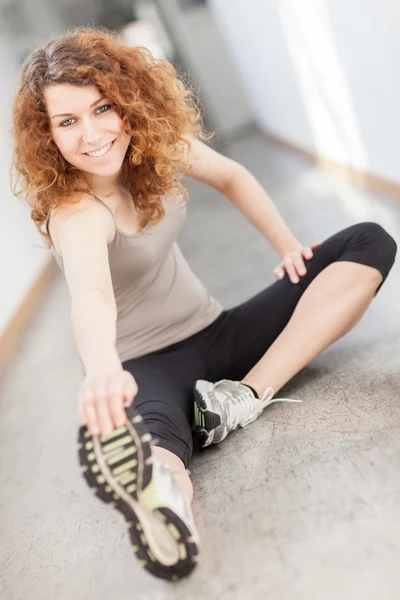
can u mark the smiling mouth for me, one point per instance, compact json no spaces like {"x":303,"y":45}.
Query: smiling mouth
{"x":101,"y":151}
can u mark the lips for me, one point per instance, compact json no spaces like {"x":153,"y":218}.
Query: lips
{"x":100,"y":151}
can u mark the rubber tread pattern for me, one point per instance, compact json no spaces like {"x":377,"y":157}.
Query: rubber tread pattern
{"x":188,"y":549}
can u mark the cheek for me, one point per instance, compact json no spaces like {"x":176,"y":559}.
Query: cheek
{"x":112,"y":122}
{"x":125,"y":139}
{"x":64,"y":143}
{"x":118,"y":128}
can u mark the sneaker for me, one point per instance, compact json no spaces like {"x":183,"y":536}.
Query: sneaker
{"x":223,"y":406}
{"x":124,"y":472}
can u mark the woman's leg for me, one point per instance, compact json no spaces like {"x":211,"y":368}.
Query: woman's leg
{"x":333,"y":303}
{"x":265,"y":341}
{"x":165,"y":401}
{"x":141,"y":467}
{"x":276,"y":333}
{"x":165,"y":396}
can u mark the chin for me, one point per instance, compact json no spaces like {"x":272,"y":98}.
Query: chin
{"x":107,"y":170}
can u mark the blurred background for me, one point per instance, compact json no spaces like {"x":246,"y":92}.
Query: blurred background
{"x":306,"y":94}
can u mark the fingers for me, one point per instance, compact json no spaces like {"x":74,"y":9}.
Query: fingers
{"x":295,"y":266}
{"x":290,"y":269}
{"x":122,"y":396}
{"x":116,"y":405}
{"x":101,"y":403}
{"x":293,"y":263}
{"x":89,"y":413}
{"x":104,"y":421}
{"x":307,"y":253}
{"x":279,"y":272}
{"x":129,"y":391}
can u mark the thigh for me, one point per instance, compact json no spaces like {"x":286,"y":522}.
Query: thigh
{"x":165,"y":382}
{"x":245,"y":332}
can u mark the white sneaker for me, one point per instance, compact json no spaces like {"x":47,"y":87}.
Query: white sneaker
{"x":223,"y":406}
{"x":123,"y":471}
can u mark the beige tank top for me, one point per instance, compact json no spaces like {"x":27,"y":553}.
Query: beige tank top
{"x":159,"y":299}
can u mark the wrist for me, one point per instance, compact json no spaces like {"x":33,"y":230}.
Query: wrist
{"x":289,"y":244}
{"x":102,"y":361}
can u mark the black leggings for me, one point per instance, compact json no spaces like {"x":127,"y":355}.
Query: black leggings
{"x":238,"y":338}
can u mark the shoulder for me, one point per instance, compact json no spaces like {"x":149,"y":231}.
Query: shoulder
{"x":81,"y":210}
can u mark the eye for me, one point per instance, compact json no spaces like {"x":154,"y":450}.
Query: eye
{"x":105,"y":106}
{"x":100,"y":110}
{"x":66,"y":123}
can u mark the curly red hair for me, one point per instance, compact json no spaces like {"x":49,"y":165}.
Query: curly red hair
{"x":157,"y":110}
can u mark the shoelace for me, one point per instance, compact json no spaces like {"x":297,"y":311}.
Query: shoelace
{"x":247,"y":407}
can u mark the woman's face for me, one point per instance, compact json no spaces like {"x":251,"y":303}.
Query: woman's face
{"x":86,"y":128}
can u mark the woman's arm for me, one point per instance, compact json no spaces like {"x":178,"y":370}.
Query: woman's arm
{"x":106,"y":388}
{"x":235,"y":182}
{"x":83,"y":245}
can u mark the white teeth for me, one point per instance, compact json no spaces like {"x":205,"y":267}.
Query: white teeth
{"x":100,"y":152}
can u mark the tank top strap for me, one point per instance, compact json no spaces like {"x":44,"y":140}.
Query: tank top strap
{"x":47,"y":225}
{"x":47,"y":222}
{"x":109,"y":209}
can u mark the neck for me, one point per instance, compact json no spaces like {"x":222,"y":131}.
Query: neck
{"x":104,"y":187}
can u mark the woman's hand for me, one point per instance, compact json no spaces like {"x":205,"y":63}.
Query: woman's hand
{"x":293,"y":263}
{"x":102,"y":398}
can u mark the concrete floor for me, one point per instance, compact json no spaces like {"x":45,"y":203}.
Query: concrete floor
{"x":302,"y":504}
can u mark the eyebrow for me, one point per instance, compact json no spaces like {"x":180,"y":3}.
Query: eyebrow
{"x":71,"y":114}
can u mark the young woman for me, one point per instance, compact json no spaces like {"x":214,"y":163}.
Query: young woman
{"x":103,"y":135}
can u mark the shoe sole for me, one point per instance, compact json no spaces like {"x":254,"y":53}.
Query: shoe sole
{"x":205,"y":420}
{"x":118,"y":467}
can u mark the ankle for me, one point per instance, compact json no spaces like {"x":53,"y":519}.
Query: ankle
{"x":260,"y":393}
{"x":183,"y":480}
{"x":251,"y":388}
{"x":177,"y":469}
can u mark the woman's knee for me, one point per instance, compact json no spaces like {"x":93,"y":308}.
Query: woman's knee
{"x":370,"y":244}
{"x":377,"y":236}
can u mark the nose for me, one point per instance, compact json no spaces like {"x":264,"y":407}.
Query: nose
{"x":91,"y":134}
